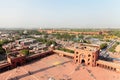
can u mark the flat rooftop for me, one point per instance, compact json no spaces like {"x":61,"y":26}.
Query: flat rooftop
{"x":60,"y":68}
{"x":86,"y":47}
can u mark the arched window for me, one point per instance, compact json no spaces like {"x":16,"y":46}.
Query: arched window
{"x":76,"y":52}
{"x":89,"y":55}
{"x":88,"y":59}
{"x":76,"y":56}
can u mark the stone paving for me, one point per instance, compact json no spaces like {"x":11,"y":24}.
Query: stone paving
{"x":59,"y":68}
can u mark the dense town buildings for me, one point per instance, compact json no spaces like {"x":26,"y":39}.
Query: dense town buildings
{"x":83,"y":54}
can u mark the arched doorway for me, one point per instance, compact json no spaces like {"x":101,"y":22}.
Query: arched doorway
{"x":83,"y":62}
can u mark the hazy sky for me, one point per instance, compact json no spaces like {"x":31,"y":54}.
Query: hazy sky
{"x":60,"y":13}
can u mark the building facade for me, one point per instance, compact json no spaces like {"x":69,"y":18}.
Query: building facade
{"x":86,"y":56}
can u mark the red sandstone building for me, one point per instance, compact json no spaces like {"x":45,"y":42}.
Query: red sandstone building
{"x":16,"y":59}
{"x":84,"y":54}
{"x":88,"y":55}
{"x":50,"y":31}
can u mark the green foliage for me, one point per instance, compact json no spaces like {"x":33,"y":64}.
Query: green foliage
{"x":45,"y":36}
{"x":64,"y":36}
{"x":20,"y":32}
{"x":98,"y":36}
{"x":84,"y":30}
{"x":107,"y":40}
{"x":48,"y":43}
{"x":43,"y":40}
{"x":112,"y":49}
{"x":66,"y":50}
{"x":117,"y":43}
{"x":34,"y":32}
{"x":1,"y":43}
{"x":16,"y":37}
{"x":4,"y":42}
{"x":81,"y":36}
{"x":25,"y":52}
{"x":2,"y":51}
{"x":115,"y":33}
{"x":29,"y":32}
{"x":103,"y":46}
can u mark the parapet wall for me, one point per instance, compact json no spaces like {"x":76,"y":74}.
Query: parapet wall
{"x":108,"y":65}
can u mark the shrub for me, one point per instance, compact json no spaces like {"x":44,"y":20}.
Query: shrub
{"x":25,"y":52}
{"x":103,"y":46}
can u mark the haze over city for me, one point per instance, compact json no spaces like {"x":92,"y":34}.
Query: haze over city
{"x":59,"y":39}
{"x":59,"y":13}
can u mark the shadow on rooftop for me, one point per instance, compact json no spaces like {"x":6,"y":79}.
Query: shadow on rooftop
{"x":33,"y":72}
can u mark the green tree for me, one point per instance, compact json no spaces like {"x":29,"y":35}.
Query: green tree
{"x":25,"y":52}
{"x":4,"y":42}
{"x":66,"y":50}
{"x":115,"y":32}
{"x":103,"y":46}
{"x":41,"y":40}
{"x":80,"y":36}
{"x":2,"y":51}
{"x":48,"y":43}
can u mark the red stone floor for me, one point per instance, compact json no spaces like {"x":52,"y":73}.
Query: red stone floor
{"x":60,"y":68}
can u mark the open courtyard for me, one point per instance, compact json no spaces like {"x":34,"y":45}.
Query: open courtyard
{"x":58,"y":68}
